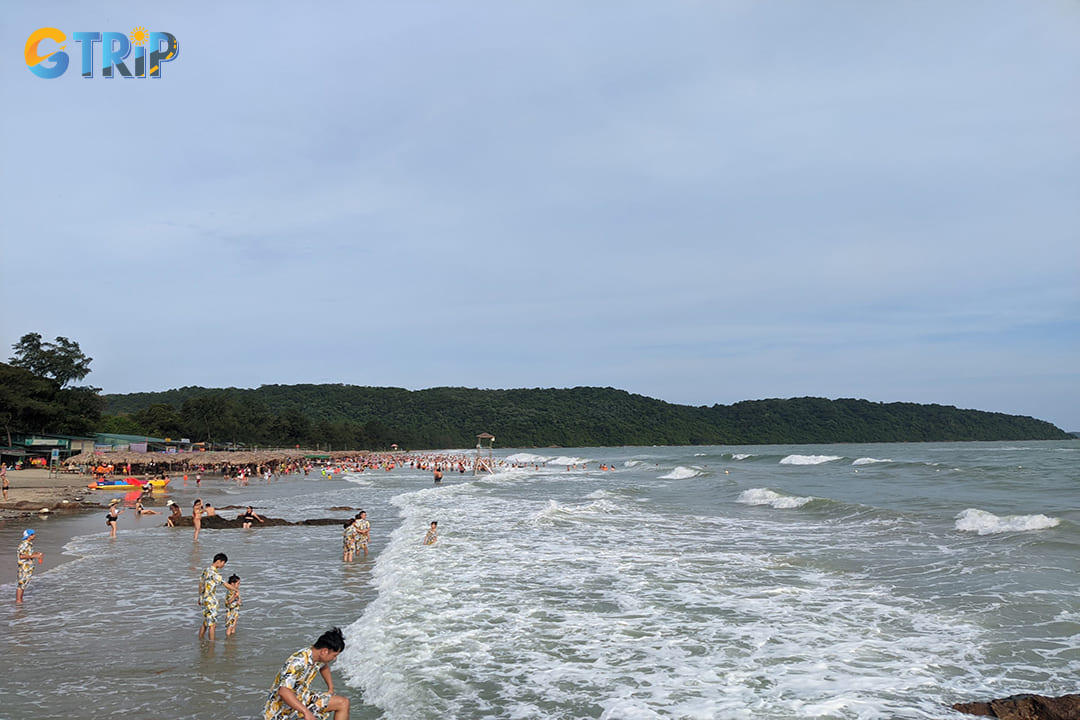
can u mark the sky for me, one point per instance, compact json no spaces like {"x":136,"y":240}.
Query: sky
{"x":701,"y":202}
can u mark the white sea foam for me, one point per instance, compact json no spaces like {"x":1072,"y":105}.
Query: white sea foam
{"x":741,"y":456}
{"x":765,"y":496}
{"x":524,"y":458}
{"x":869,"y":461}
{"x":809,"y":459}
{"x":565,"y":460}
{"x":985,"y":523}
{"x":513,"y":618}
{"x":600,"y":506}
{"x":358,"y":478}
{"x":681,"y":473}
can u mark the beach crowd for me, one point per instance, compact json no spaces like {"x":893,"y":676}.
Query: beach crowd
{"x":291,"y":696}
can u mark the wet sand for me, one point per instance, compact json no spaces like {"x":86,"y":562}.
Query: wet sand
{"x":36,"y":489}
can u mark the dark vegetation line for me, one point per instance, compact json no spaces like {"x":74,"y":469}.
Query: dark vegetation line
{"x":37,"y":396}
{"x":371,"y":417}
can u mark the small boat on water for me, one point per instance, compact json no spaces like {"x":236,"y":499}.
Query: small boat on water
{"x":129,"y":483}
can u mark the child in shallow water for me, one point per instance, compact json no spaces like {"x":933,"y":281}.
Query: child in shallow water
{"x":232,"y":604}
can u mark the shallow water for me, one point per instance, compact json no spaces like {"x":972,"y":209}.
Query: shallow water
{"x":849,"y":581}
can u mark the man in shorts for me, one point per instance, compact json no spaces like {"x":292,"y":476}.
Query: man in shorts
{"x":208,"y":582}
{"x":292,"y":698}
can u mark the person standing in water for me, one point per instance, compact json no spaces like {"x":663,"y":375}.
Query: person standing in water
{"x":232,"y":604}
{"x":208,"y":582}
{"x":196,"y":515}
{"x":348,"y":540}
{"x":363,"y":531}
{"x":432,"y":536}
{"x":112,"y":515}
{"x":26,"y":556}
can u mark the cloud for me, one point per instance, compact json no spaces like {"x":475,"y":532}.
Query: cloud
{"x":698,"y":202}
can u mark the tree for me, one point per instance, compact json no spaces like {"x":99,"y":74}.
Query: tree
{"x":61,"y":361}
{"x":26,"y":401}
{"x":161,"y":420}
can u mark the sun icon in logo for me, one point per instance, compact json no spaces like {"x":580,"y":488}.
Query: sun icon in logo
{"x":139,"y":36}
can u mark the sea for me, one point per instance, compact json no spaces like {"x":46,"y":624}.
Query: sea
{"x":781,"y":581}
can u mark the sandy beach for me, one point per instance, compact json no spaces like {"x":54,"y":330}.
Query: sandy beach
{"x":36,"y":489}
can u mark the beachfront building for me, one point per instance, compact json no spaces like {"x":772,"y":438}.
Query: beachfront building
{"x":30,"y":449}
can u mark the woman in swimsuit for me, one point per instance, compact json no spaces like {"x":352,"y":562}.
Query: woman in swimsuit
{"x":249,"y":517}
{"x":140,"y":510}
{"x":196,"y":515}
{"x":110,"y":517}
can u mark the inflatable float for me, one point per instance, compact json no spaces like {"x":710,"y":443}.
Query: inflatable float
{"x":128,"y":484}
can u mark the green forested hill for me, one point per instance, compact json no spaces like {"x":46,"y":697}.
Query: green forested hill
{"x":373,"y":418}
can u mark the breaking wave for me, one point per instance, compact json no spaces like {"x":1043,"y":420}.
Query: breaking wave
{"x":985,"y":523}
{"x":765,"y":496}
{"x":809,"y":459}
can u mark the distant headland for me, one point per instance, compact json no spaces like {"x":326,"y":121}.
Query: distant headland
{"x":342,"y":416}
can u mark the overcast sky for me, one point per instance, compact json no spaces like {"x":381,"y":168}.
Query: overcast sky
{"x":702,"y":202}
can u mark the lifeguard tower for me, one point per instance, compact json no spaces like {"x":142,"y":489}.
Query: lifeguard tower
{"x":485,"y":443}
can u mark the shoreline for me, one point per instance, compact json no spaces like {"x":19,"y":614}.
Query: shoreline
{"x":34,"y":491}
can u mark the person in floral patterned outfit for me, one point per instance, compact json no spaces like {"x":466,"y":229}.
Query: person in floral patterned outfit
{"x":232,"y":604}
{"x":292,"y":698}
{"x":348,"y":540}
{"x":26,"y":557}
{"x":363,"y":531}
{"x":208,"y":582}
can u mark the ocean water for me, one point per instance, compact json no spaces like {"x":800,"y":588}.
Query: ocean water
{"x":845,"y":581}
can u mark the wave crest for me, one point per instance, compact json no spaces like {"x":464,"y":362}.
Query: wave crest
{"x":809,"y":459}
{"x":765,"y":496}
{"x":681,"y":473}
{"x":985,"y":523}
{"x":524,"y":458}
